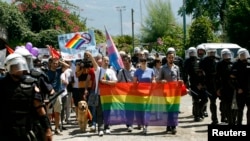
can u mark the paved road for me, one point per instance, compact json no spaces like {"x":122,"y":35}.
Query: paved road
{"x":186,"y":130}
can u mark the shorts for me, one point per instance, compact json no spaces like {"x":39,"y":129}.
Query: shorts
{"x":57,"y":107}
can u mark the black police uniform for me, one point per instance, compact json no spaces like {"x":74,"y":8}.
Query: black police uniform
{"x":241,"y":70}
{"x":208,"y":66}
{"x":226,"y":88}
{"x":192,"y":79}
{"x":17,"y":104}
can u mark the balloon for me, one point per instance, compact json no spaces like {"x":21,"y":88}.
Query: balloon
{"x":34,"y":51}
{"x":29,"y":46}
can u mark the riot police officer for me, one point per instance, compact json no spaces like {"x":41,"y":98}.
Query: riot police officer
{"x":225,"y":88}
{"x":194,"y":79}
{"x":201,"y":52}
{"x":42,"y":82}
{"x":22,"y":103}
{"x":208,"y":66}
{"x":241,"y":76}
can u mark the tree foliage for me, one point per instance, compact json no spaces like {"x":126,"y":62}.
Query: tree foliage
{"x":238,"y":29}
{"x":214,"y":9}
{"x":200,"y":31}
{"x":14,"y":21}
{"x":38,"y":21}
{"x":158,"y":22}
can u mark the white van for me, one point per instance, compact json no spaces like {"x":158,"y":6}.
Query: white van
{"x":219,"y":46}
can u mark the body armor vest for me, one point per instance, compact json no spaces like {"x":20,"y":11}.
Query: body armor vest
{"x":20,"y":111}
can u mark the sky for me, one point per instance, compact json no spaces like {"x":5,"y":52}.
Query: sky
{"x":104,"y":13}
{"x":100,"y":13}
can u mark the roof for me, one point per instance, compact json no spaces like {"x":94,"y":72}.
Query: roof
{"x":220,"y":45}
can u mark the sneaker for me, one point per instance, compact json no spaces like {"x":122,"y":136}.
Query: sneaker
{"x":107,"y":131}
{"x":130,"y":129}
{"x":205,"y":114}
{"x":64,"y":128}
{"x":139,"y":127}
{"x":92,"y":128}
{"x":145,"y":130}
{"x":197,"y":119}
{"x":101,"y":133}
{"x":215,"y":122}
{"x":168,"y":129}
{"x":57,"y":132}
{"x":174,"y":130}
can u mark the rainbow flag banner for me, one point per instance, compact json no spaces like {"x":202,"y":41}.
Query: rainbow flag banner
{"x":154,"y":104}
{"x":75,"y":42}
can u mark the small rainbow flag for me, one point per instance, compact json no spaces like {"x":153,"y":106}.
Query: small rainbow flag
{"x":154,"y":104}
{"x":106,"y":77}
{"x":75,"y":42}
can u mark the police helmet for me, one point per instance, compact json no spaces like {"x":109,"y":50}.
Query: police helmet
{"x":15,"y":63}
{"x":192,"y":52}
{"x":137,"y":50}
{"x":146,"y":52}
{"x":243,"y":53}
{"x":211,"y":51}
{"x":27,"y":55}
{"x":226,"y":54}
{"x":201,"y":48}
{"x":201,"y":51}
{"x":171,"y":50}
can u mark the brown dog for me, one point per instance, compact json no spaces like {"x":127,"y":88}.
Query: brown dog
{"x":83,"y":115}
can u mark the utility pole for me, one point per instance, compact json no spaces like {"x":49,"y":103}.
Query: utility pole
{"x":184,"y":23}
{"x":133,"y":36}
{"x":120,"y":9}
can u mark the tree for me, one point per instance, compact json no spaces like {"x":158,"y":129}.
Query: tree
{"x":200,"y":31}
{"x":214,"y":9}
{"x":14,"y":21}
{"x":238,"y":22}
{"x":42,"y":15}
{"x":159,"y":21}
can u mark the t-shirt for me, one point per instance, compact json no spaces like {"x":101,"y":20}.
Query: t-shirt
{"x":144,"y":76}
{"x":126,"y":75}
{"x":106,"y":74}
{"x":64,"y":77}
{"x":54,"y":78}
{"x":73,"y":68}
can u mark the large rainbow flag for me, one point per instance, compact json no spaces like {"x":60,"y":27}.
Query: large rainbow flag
{"x":144,"y":103}
{"x":76,"y":41}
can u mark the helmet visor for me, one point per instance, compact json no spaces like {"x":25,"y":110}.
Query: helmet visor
{"x":29,"y":61}
{"x":226,"y":56}
{"x":16,"y":65}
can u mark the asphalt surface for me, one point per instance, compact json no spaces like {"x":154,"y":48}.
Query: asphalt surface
{"x":186,"y":130}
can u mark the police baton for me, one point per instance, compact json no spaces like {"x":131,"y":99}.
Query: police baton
{"x":54,"y":96}
{"x":193,"y":92}
{"x":208,"y":93}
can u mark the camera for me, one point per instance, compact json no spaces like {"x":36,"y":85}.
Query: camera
{"x":84,"y":63}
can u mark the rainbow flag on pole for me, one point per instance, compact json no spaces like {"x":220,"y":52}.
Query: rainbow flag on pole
{"x":144,"y":104}
{"x":114,"y":56}
{"x":75,"y":42}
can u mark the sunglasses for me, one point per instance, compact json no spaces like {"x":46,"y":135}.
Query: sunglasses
{"x":143,"y":60}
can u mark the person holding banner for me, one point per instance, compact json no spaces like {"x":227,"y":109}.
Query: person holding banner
{"x":169,"y":73}
{"x":142,"y":75}
{"x":126,"y":75}
{"x":103,"y":76}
